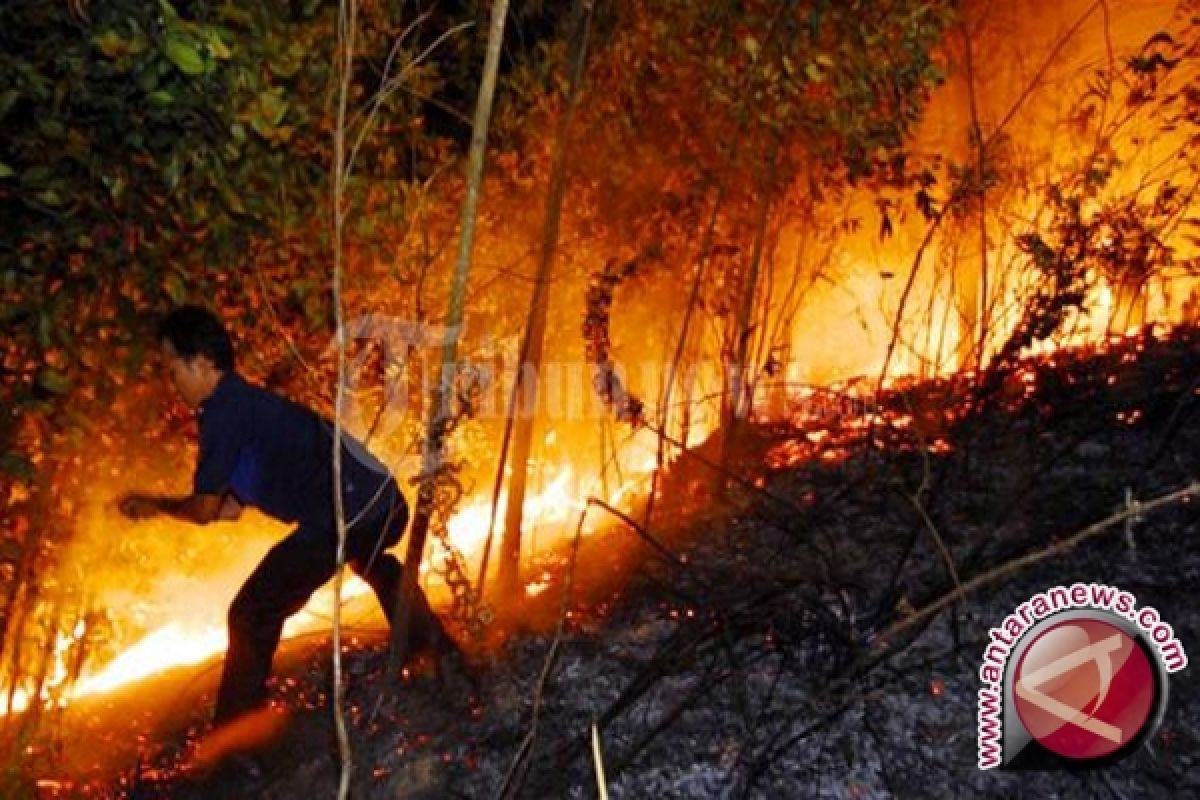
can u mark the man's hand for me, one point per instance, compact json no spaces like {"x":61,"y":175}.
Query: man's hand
{"x":230,"y":508}
{"x":138,"y":506}
{"x":200,"y":509}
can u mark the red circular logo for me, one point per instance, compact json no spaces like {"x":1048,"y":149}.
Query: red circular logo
{"x":1084,"y":688}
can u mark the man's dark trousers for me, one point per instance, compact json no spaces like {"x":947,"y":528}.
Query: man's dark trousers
{"x":286,"y":578}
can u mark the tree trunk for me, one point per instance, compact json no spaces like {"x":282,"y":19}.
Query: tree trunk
{"x":442,"y":398}
{"x":736,"y":405}
{"x":976,"y":332}
{"x":525,"y":387}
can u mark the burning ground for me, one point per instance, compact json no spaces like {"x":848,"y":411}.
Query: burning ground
{"x":737,"y":647}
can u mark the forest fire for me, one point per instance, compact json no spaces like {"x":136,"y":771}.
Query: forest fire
{"x":822,"y":299}
{"x":831,"y":422}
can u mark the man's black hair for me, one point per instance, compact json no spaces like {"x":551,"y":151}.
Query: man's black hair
{"x":195,"y":331}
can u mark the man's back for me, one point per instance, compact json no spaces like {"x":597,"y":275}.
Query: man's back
{"x":277,"y":455}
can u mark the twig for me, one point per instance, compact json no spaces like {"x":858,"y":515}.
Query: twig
{"x":706,"y":683}
{"x":520,"y":760}
{"x":598,"y":763}
{"x":344,"y":69}
{"x":270,"y":306}
{"x":742,"y":481}
{"x":918,"y":501}
{"x":644,"y":534}
{"x":777,"y":744}
{"x":1016,"y":564}
{"x":393,"y":83}
{"x":1187,"y":403}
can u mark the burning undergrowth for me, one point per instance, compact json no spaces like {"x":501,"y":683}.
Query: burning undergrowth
{"x":763,"y":636}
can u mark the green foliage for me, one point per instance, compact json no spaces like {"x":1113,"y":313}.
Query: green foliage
{"x":688,"y":97}
{"x":150,"y":148}
{"x":139,"y":139}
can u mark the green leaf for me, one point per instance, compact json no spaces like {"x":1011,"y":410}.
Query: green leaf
{"x":111,"y":44}
{"x":175,"y":289}
{"x":147,"y":81}
{"x":52,"y":128}
{"x":184,"y":56}
{"x":172,"y":172}
{"x":45,"y":329}
{"x":272,"y":105}
{"x":6,"y":171}
{"x":286,"y":63}
{"x":160,"y":98}
{"x":216,"y":46}
{"x":116,"y":186}
{"x":230,"y":198}
{"x":36,"y":176}
{"x":17,"y":466}
{"x":51,"y":198}
{"x":53,"y":381}
{"x":118,"y":49}
{"x":8,"y":99}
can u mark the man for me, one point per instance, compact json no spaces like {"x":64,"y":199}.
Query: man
{"x":261,"y":450}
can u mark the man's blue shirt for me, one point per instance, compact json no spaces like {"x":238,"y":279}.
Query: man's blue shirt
{"x":277,"y":456}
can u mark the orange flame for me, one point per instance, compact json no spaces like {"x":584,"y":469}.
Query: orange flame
{"x":197,"y":639}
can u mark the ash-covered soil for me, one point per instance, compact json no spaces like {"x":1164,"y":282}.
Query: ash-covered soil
{"x":740,"y":654}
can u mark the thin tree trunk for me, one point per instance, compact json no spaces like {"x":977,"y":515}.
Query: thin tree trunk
{"x":525,"y":387}
{"x":974,"y":336}
{"x":344,"y":65}
{"x":440,"y":410}
{"x":16,"y":615}
{"x":701,"y":269}
{"x":985,"y":144}
{"x":736,"y":407}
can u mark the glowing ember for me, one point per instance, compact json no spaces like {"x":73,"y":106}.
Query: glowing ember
{"x":534,"y":588}
{"x":940,"y":447}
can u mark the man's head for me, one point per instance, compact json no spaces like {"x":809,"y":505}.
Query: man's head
{"x":197,"y":349}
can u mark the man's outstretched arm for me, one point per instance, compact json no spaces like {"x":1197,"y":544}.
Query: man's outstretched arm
{"x":200,"y":509}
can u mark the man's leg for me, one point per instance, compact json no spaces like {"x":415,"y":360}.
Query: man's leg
{"x":384,"y":577}
{"x":279,"y":587}
{"x":367,"y":556}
